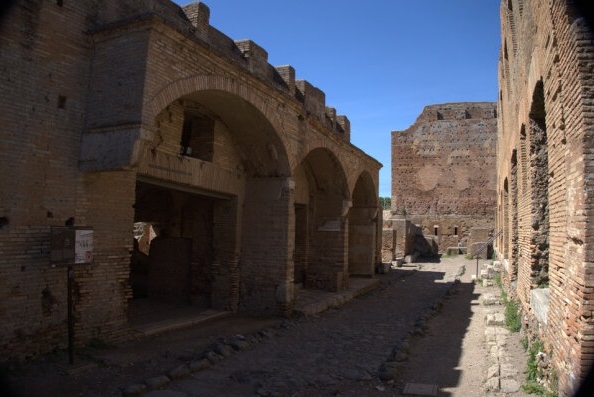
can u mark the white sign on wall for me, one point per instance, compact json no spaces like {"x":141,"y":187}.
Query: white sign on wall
{"x":83,"y":247}
{"x":71,"y":245}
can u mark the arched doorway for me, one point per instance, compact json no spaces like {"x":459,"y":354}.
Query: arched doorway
{"x":321,"y":206}
{"x":539,"y":188}
{"x":363,"y":227}
{"x":211,"y":185}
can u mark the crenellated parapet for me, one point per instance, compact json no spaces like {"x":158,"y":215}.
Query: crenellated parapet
{"x":199,"y":15}
{"x":255,"y":59}
{"x":194,"y":20}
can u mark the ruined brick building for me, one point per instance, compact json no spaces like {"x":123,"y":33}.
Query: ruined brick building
{"x":545,"y":176}
{"x":444,"y":174}
{"x":124,"y":114}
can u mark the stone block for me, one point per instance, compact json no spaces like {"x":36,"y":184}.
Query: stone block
{"x":493,"y":371}
{"x":539,"y":302}
{"x":179,"y":372}
{"x":508,"y":371}
{"x":487,"y":283}
{"x":496,"y":319}
{"x":491,"y":300}
{"x":509,"y":385}
{"x":454,"y":251}
{"x":485,"y":274}
{"x":389,"y":370}
{"x":475,"y":247}
{"x":157,"y":382}
{"x":198,"y":365}
{"x":492,"y":384}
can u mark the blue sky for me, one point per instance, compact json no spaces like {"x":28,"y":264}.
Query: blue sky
{"x":378,"y":61}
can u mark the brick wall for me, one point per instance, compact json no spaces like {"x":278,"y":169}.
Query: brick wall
{"x":42,"y":116}
{"x":94,"y":100}
{"x":443,"y":170}
{"x":545,"y":91}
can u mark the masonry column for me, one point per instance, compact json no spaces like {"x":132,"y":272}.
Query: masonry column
{"x":266,"y":262}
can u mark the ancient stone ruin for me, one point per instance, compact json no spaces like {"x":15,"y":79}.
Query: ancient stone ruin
{"x":443,"y":180}
{"x":206,"y":178}
{"x":161,"y":160}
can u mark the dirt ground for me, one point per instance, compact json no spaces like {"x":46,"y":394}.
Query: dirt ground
{"x":418,"y":316}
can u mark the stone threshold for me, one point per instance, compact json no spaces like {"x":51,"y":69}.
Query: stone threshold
{"x":167,"y":325}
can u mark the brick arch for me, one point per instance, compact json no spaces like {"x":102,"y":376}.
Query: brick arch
{"x":352,"y":167}
{"x":349,"y":170}
{"x":321,"y":227}
{"x":361,"y":174}
{"x":364,"y":190}
{"x":325,"y":151}
{"x":363,"y":227}
{"x":204,"y":85}
{"x":187,"y":86}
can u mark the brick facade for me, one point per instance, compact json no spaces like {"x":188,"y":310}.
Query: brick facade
{"x":118,"y":112}
{"x":443,"y":171}
{"x":544,"y":174}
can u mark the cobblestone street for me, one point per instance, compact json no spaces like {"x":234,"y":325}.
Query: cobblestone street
{"x":418,"y":326}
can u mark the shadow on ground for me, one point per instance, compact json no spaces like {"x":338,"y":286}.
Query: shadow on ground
{"x":435,"y":357}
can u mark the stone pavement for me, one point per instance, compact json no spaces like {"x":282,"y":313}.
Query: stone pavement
{"x":367,"y":346}
{"x":465,"y":350}
{"x":361,"y":343}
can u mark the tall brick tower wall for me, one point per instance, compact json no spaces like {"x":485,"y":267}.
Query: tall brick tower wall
{"x":443,"y":171}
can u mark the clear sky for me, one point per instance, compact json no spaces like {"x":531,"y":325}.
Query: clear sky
{"x":378,"y":61}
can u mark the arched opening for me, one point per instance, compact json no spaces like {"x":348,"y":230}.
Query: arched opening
{"x":173,"y":249}
{"x":363,"y":227}
{"x":524,"y":159}
{"x":210,"y":185}
{"x":513,"y":240}
{"x":506,"y":229}
{"x":321,"y":206}
{"x":539,"y":187}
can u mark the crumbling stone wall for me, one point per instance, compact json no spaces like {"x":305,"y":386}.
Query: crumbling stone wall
{"x":544,"y":161}
{"x":443,"y":171}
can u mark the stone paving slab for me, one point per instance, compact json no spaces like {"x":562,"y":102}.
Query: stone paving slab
{"x":420,"y":389}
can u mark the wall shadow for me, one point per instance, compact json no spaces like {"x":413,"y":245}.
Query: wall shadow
{"x":435,"y":356}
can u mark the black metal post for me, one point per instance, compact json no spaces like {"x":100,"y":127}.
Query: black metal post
{"x":70,"y":315}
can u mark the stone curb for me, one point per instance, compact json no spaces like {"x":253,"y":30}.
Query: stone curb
{"x":216,"y":352}
{"x":501,"y":376}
